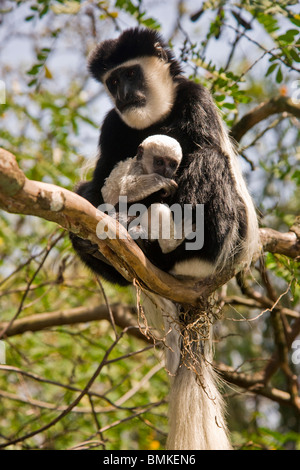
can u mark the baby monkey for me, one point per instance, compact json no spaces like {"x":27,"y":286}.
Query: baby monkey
{"x":150,"y":171}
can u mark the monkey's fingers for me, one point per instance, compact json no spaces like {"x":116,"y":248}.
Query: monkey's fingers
{"x":170,"y":189}
{"x":86,"y":247}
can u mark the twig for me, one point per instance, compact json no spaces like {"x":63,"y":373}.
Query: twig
{"x":267,"y":51}
{"x":253,"y":383}
{"x":71,"y":406}
{"x":134,"y":415}
{"x":49,"y":248}
{"x":263,"y":132}
{"x":111,"y":316}
{"x":104,"y":409}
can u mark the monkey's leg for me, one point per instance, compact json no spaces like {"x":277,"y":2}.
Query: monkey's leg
{"x":161,"y":227}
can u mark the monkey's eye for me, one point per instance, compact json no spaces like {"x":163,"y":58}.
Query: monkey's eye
{"x":131,"y":73}
{"x":112,"y":83}
{"x":173,"y":165}
{"x":159,"y":161}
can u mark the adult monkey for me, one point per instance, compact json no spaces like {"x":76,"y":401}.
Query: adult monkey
{"x":151,"y":96}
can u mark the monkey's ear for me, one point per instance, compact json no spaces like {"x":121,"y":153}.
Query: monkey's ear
{"x":140,"y":152}
{"x":161,"y":52}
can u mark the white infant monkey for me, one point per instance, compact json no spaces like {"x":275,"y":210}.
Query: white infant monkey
{"x":150,"y":171}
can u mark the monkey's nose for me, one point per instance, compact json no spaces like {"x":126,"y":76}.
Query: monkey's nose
{"x":168,"y":173}
{"x":126,"y":93}
{"x":161,"y":171}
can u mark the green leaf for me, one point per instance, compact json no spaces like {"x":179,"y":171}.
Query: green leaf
{"x":271,"y":69}
{"x":32,"y":82}
{"x":295,"y":20}
{"x":296,"y":177}
{"x":279,"y":76}
{"x":295,"y":55}
{"x":44,"y":11}
{"x":289,"y":36}
{"x":35,"y":69}
{"x":220,"y":98}
{"x":229,"y":105}
{"x":41,"y":56}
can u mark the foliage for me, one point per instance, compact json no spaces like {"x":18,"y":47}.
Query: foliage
{"x":245,"y":52}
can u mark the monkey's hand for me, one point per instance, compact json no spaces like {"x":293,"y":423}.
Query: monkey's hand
{"x":170,"y":189}
{"x":145,"y":185}
{"x":86,"y":247}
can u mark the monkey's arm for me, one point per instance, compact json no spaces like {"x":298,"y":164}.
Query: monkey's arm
{"x":137,"y":188}
{"x":113,"y":186}
{"x":129,"y":179}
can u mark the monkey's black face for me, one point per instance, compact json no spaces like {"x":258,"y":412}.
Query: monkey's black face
{"x":165,"y":166}
{"x":142,"y":89}
{"x":127,"y":87}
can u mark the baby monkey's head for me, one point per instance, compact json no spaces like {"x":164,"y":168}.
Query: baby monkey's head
{"x":160,"y":154}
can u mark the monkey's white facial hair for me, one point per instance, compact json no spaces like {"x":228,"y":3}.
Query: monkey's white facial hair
{"x":161,"y":91}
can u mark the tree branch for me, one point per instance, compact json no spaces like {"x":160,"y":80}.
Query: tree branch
{"x":124,"y":316}
{"x":253,"y":383}
{"x":287,"y":244}
{"x":74,"y":213}
{"x":277,"y":105}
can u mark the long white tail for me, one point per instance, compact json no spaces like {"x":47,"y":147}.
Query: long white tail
{"x":196,"y":408}
{"x":196,"y":416}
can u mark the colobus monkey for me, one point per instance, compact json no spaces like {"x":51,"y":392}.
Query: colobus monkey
{"x":151,"y":96}
{"x":151,"y":170}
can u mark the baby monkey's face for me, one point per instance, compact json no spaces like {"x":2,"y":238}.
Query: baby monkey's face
{"x":160,"y":154}
{"x":162,"y":164}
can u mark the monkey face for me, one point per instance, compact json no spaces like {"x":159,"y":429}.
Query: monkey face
{"x":142,"y":90}
{"x":160,"y":154}
{"x":164,"y":166}
{"x":127,"y":87}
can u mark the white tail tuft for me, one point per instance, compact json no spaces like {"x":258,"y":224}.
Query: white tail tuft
{"x":196,"y":417}
{"x":196,"y":408}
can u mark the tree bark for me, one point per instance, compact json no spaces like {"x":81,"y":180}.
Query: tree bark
{"x":277,"y":105}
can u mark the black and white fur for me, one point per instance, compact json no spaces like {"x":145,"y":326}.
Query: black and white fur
{"x":147,"y":178}
{"x":160,"y":100}
{"x":151,"y":170}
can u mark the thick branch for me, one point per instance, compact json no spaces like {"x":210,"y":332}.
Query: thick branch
{"x":287,"y":244}
{"x":264,"y":110}
{"x":253,"y":383}
{"x":123,"y":316}
{"x":23,"y":196}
